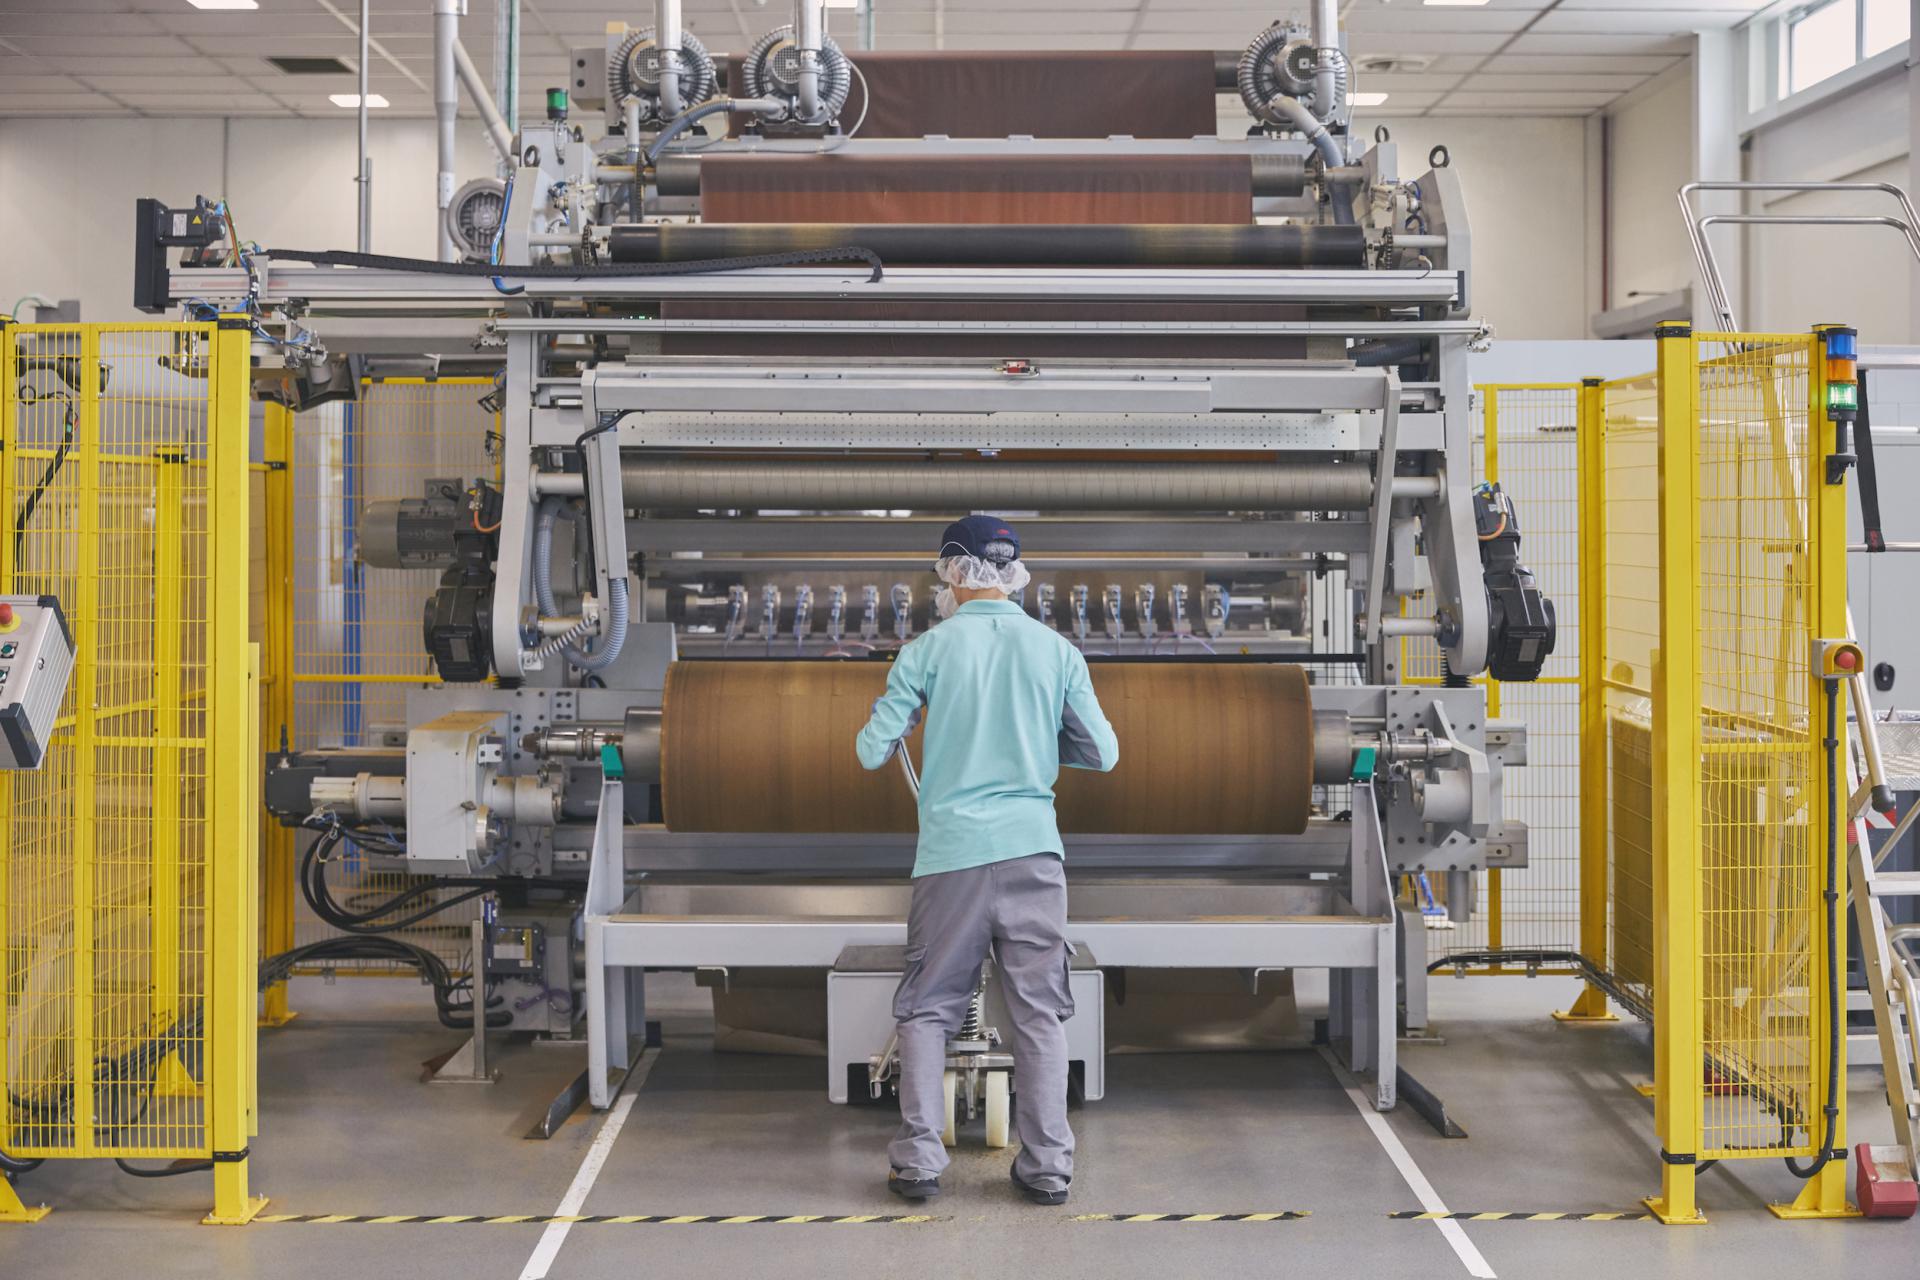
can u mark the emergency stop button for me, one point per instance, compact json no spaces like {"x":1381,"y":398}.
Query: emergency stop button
{"x":1837,"y":659}
{"x":7,"y":619}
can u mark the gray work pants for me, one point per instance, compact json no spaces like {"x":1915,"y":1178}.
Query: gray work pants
{"x":1018,"y":910}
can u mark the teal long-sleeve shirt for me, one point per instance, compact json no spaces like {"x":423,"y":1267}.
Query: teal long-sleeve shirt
{"x":1008,"y":703}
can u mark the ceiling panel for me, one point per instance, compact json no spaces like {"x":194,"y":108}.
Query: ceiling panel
{"x":1536,"y":56}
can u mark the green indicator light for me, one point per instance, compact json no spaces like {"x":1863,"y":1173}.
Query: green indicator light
{"x":556,"y":104}
{"x":1843,"y":395}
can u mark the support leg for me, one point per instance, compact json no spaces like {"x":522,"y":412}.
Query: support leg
{"x":12,"y":1209}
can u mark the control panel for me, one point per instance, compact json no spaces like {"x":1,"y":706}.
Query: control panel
{"x":36,"y":661}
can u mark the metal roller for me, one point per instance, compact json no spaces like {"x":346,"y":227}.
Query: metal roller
{"x":1283,"y":176}
{"x":981,"y":244}
{"x":1025,"y":486}
{"x":1204,"y":749}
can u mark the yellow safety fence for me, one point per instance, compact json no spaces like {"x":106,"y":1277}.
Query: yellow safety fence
{"x":1714,"y":555}
{"x":1526,"y":922}
{"x":348,"y":634}
{"x":128,"y":929}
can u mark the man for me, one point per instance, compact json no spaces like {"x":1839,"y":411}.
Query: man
{"x":1008,"y":701}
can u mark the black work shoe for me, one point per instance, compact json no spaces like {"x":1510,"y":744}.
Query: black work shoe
{"x":912,"y":1188}
{"x":1035,"y":1194}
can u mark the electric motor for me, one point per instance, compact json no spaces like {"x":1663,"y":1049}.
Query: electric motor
{"x":772,"y":70}
{"x":633,"y":71}
{"x":1279,"y":63}
{"x":473,"y":218}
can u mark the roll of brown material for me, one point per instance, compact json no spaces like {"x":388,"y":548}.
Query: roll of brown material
{"x":1205,"y":749}
{"x":1146,"y":93}
{"x":1074,"y":190}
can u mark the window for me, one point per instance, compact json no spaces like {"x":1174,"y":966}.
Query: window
{"x":1822,"y":38}
{"x":1821,"y":42}
{"x":1883,"y":24}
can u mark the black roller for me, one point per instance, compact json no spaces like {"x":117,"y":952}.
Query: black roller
{"x":1039,"y":245}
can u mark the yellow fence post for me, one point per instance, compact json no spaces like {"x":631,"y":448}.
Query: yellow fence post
{"x":1677,"y":1035}
{"x":12,"y":1209}
{"x":233,"y":767}
{"x":276,"y":872}
{"x":1825,"y":1194}
{"x":1591,"y":1004}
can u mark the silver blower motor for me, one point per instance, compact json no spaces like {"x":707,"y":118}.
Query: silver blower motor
{"x":772,"y":70}
{"x":473,"y":218}
{"x":633,"y":72}
{"x":1279,"y":63}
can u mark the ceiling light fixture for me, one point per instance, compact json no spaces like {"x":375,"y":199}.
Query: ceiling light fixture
{"x":1368,"y":99}
{"x":224,"y":4}
{"x":374,"y":100}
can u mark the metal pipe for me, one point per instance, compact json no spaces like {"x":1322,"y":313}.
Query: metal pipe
{"x":446,"y":105}
{"x":1239,"y":567}
{"x":809,"y":25}
{"x":1055,"y":486}
{"x":506,"y":63}
{"x":1326,"y":41}
{"x":497,"y":131}
{"x":363,"y":177}
{"x":1709,"y":267}
{"x":666,"y":39}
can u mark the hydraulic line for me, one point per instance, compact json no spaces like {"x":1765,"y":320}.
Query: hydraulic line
{"x":1835,"y":1018}
{"x":581,"y":271}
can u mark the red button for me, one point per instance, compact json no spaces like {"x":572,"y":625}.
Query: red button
{"x":6,"y":614}
{"x":1842,"y":659}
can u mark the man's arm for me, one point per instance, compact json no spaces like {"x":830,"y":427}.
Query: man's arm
{"x":1086,"y":739}
{"x":895,"y":712}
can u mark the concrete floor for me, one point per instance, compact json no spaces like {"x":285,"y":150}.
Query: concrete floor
{"x":348,"y":1129}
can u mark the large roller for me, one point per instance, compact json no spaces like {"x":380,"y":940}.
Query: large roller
{"x":1204,"y":750}
{"x":1024,"y":486}
{"x":1015,"y":245}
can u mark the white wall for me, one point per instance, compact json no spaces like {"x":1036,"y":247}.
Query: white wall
{"x":67,"y":189}
{"x":1800,"y":276}
{"x":1525,"y":180}
{"x":1652,"y":156}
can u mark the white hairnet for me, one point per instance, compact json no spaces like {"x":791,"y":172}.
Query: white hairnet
{"x":976,"y":574}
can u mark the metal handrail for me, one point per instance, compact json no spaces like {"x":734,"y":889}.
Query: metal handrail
{"x":1908,"y":225}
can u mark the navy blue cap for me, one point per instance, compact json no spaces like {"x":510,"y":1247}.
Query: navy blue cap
{"x":974,"y":535}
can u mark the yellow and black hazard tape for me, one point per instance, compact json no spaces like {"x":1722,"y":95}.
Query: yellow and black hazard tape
{"x":1284,"y":1215}
{"x":599,"y":1219}
{"x":1416,"y":1215}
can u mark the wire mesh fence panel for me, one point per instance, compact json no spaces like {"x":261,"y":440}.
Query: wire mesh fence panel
{"x":1761,"y":814}
{"x":1529,"y":445}
{"x":357,"y":636}
{"x":112,"y":502}
{"x":1629,"y":551}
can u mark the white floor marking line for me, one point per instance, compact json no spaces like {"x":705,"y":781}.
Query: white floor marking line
{"x":590,"y":1165}
{"x":1397,"y":1152}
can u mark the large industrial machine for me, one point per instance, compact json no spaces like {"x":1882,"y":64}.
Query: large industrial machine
{"x":787,"y":315}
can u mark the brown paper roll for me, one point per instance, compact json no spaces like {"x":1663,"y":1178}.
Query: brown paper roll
{"x":1204,"y":749}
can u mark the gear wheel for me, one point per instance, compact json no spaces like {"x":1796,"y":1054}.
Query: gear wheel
{"x":772,"y":70}
{"x":634,"y":72}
